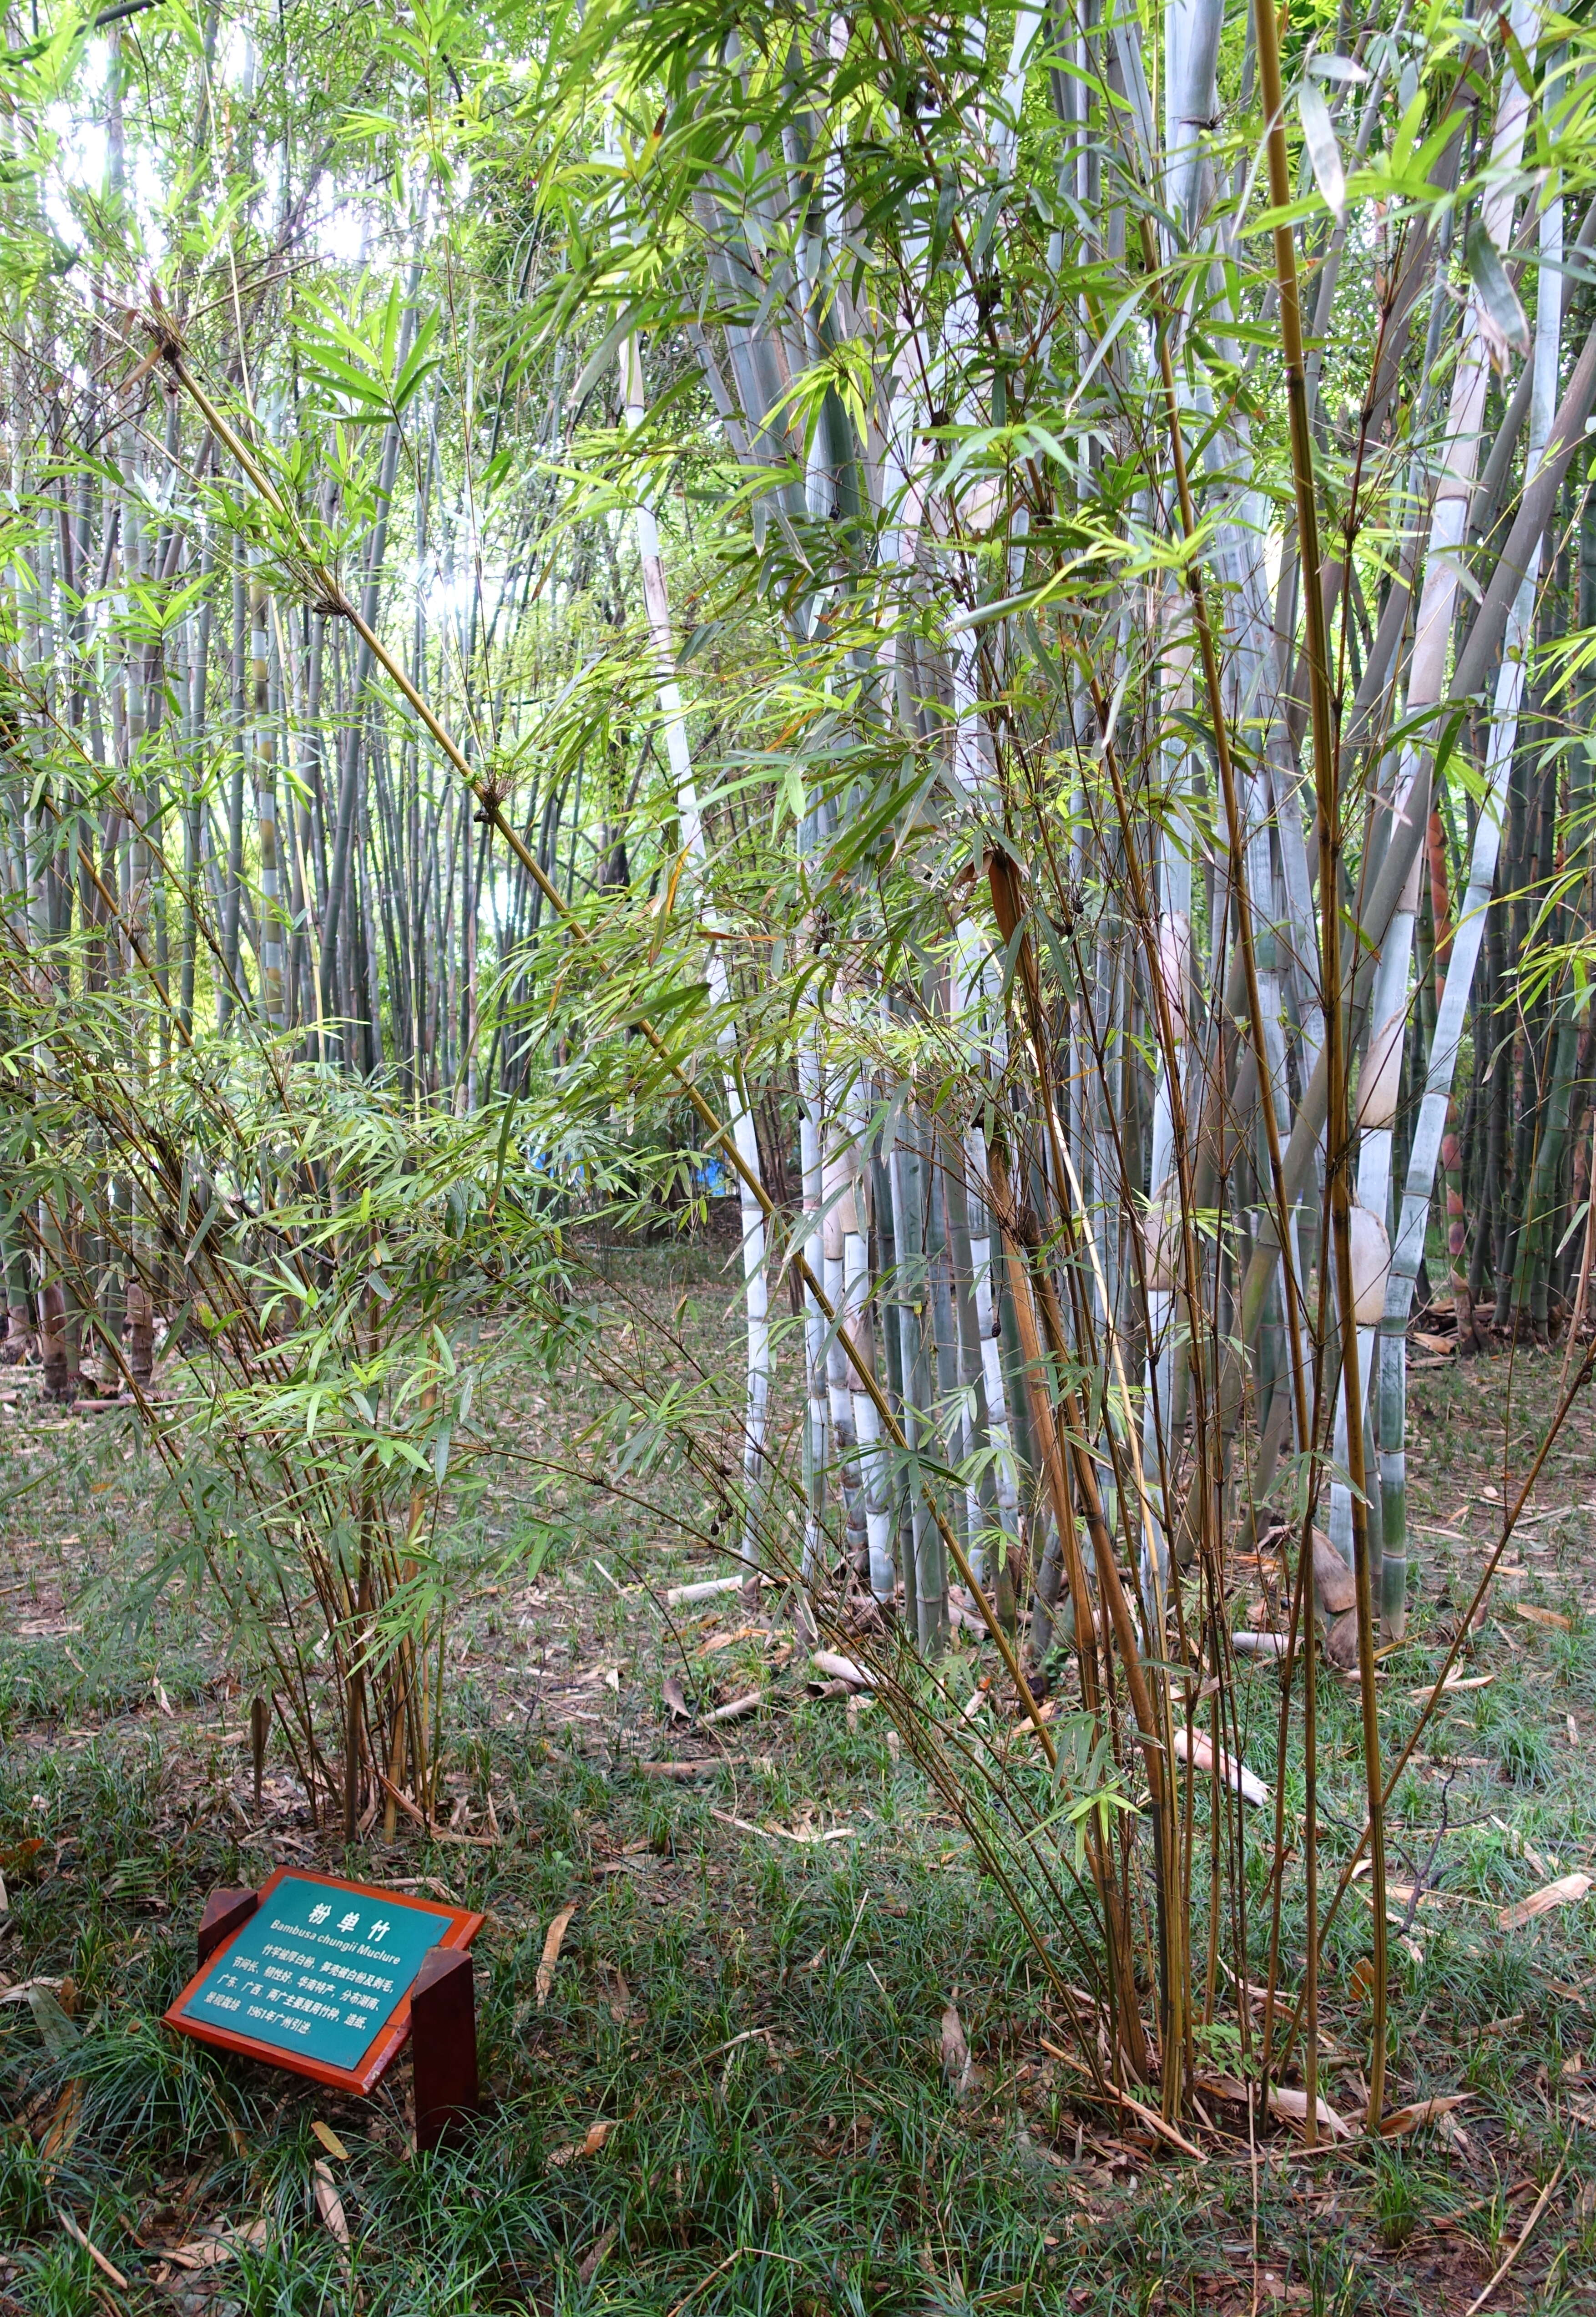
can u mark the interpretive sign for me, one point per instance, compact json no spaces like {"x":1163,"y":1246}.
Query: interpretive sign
{"x":320,"y":1975}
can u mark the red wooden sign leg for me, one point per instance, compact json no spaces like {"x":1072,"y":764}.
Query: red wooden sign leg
{"x":443,"y":2043}
{"x":225,"y":1911}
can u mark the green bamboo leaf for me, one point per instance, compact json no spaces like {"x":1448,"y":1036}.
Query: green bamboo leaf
{"x":603,"y":355}
{"x":1324,"y":152}
{"x":1500,"y":310}
{"x":1337,"y":69}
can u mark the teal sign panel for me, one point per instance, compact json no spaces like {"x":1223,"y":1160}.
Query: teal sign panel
{"x":317,"y":1972}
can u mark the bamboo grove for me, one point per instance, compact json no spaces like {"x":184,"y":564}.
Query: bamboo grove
{"x":974,"y":630}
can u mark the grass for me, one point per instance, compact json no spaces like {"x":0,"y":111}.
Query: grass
{"x":755,"y":2015}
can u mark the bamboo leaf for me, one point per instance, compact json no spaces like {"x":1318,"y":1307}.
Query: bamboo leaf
{"x":1343,"y":69}
{"x":591,"y":2141}
{"x":1566,"y":1891}
{"x":959,"y":2072}
{"x":1502,"y":316}
{"x":553,"y":1941}
{"x":329,"y":2204}
{"x":1398,"y":2120}
{"x":1323,"y":151}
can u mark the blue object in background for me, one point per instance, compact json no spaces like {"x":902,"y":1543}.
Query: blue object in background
{"x":712,"y":1179}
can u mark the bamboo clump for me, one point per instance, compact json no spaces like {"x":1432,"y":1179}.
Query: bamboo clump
{"x":975,"y":632}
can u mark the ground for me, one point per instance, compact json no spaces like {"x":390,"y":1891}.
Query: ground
{"x":734,"y":2095}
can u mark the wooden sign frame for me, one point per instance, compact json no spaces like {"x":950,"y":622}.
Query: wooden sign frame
{"x":230,"y":1913}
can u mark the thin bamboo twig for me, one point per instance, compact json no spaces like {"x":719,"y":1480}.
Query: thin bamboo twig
{"x":1541,"y":2201}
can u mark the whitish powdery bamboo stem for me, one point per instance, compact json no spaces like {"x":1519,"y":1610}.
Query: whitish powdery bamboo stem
{"x":755,"y":1275}
{"x":1380,"y":1079}
{"x":1446,"y":1036}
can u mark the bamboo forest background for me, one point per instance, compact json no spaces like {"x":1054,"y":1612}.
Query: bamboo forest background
{"x":968,"y":634}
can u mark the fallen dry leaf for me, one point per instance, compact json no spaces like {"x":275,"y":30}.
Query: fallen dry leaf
{"x":16,"y":1855}
{"x":1534,"y":1614}
{"x":709,"y":1762}
{"x":591,"y":2263}
{"x":106,"y":2267}
{"x":959,"y":2069}
{"x":956,"y":2050}
{"x":329,"y":2203}
{"x":1147,"y":2116}
{"x":1224,"y":2088}
{"x":676,"y":1705}
{"x":1361,"y":1978}
{"x":1453,"y":1682}
{"x":553,"y":1941}
{"x":1286,"y":2101}
{"x":589,"y":2145}
{"x":1564,"y":1893}
{"x":1398,"y":2120}
{"x":742,"y":1825}
{"x":329,"y":2140}
{"x":62,"y":2129}
{"x":213,"y":2245}
{"x":804,"y":1830}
